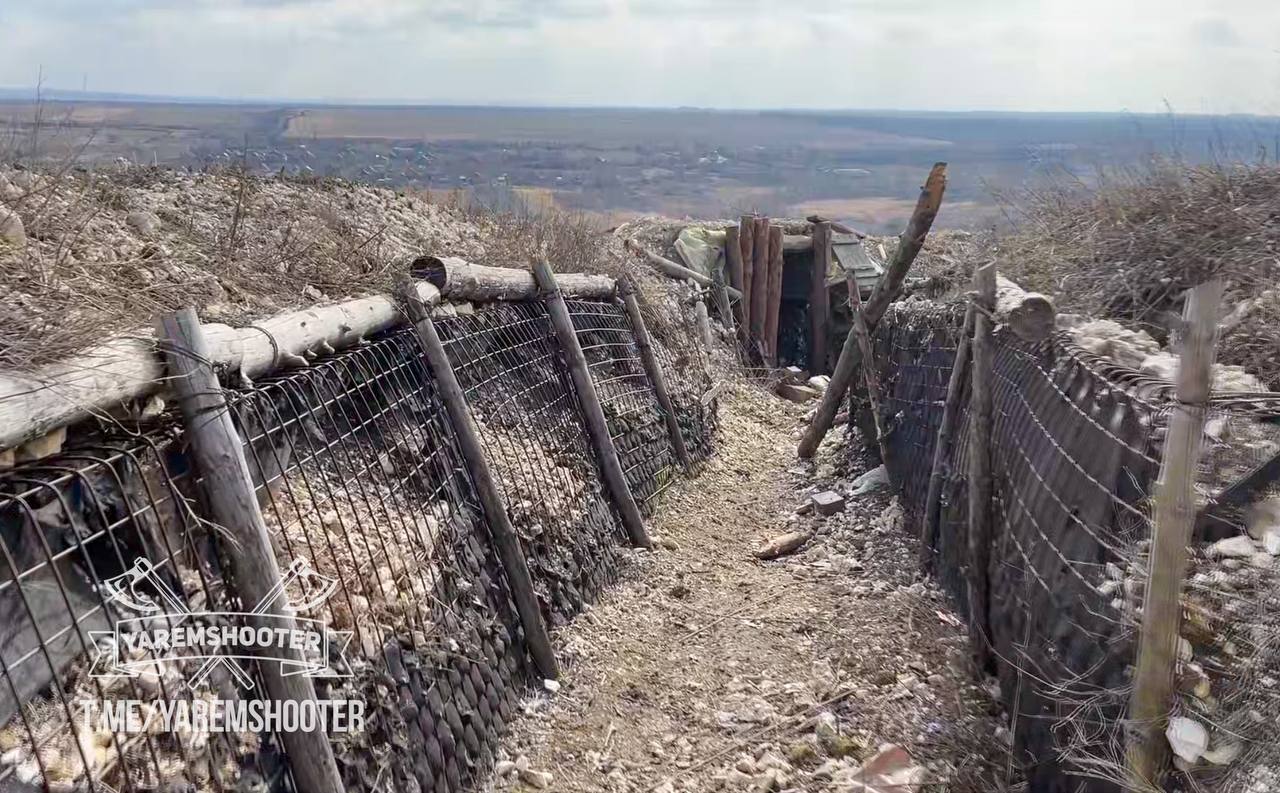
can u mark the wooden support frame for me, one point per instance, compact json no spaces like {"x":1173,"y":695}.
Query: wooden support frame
{"x":759,"y":283}
{"x":942,"y":443}
{"x":869,"y":374}
{"x":501,"y":531}
{"x":644,"y":344}
{"x":819,"y":301}
{"x":218,"y":454}
{"x":733,"y":265}
{"x":592,"y":413}
{"x":1147,"y":752}
{"x":773,"y":296}
{"x":747,"y":247}
{"x":980,"y":474}
{"x":887,"y":290}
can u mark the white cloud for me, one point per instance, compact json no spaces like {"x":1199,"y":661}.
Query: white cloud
{"x":936,"y":54}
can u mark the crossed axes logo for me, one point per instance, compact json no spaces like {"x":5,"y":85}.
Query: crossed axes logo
{"x":220,"y":638}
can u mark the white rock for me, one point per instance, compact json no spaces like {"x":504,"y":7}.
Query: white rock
{"x":872,"y":480}
{"x":1271,"y":541}
{"x":11,"y":228}
{"x":820,"y":382}
{"x":1224,"y":753}
{"x":1263,"y":516}
{"x":551,"y":685}
{"x":1239,"y":546}
{"x":1187,"y":738}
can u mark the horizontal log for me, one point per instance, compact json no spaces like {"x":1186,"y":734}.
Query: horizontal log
{"x":798,"y":243}
{"x":101,"y":379}
{"x":837,"y":226}
{"x":1028,"y":314}
{"x":460,"y":280}
{"x":668,"y":268}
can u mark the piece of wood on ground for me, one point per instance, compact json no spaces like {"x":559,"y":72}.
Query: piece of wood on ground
{"x":782,"y":545}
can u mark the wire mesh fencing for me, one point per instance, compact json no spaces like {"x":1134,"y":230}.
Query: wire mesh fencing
{"x":376,"y":527}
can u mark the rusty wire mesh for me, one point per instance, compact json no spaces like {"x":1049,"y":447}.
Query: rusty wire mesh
{"x":72,"y":523}
{"x":358,"y":474}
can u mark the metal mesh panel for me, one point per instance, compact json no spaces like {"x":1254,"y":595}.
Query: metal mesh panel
{"x":693,"y":395}
{"x":357,"y":473}
{"x":508,"y":363}
{"x":70,"y":524}
{"x":635,"y":419}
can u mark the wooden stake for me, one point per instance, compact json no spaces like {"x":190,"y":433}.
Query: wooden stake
{"x":887,"y":289}
{"x":733,"y":263}
{"x":869,"y":374}
{"x":501,"y":531}
{"x":1148,"y":751}
{"x":819,"y":303}
{"x":720,"y":293}
{"x":651,"y":368}
{"x":773,"y":295}
{"x":701,"y":317}
{"x":593,"y":415}
{"x":759,"y":282}
{"x":747,"y":243}
{"x":980,"y":477}
{"x":227,"y":487}
{"x":942,"y":444}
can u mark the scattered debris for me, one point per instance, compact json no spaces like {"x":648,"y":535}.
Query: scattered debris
{"x":796,"y":393}
{"x":782,"y":545}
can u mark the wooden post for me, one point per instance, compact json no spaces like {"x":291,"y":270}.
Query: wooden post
{"x":747,"y":245}
{"x":980,"y":476}
{"x":773,"y":295}
{"x":651,"y":368}
{"x":720,"y":293}
{"x":733,"y":264}
{"x":1175,"y":501}
{"x":597,"y":427}
{"x":759,"y":282}
{"x":501,"y":531}
{"x":869,"y":375}
{"x":218,"y":455}
{"x":942,"y":443}
{"x":887,"y":289}
{"x":819,"y":303}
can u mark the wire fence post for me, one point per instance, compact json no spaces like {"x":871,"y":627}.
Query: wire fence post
{"x":501,"y":530}
{"x":227,"y":486}
{"x":1174,"y":519}
{"x":980,"y":476}
{"x":592,"y":413}
{"x":651,"y":368}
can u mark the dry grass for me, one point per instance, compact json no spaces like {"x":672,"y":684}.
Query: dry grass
{"x":1129,"y":249}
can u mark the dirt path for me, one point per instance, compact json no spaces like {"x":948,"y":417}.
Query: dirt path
{"x":706,"y":668}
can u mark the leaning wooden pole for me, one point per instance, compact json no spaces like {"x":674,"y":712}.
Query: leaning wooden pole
{"x":226,"y":485}
{"x":773,"y":295}
{"x":980,"y":475}
{"x":1175,"y":506}
{"x":819,"y":303}
{"x":501,"y":531}
{"x":592,"y":413}
{"x":887,"y":290}
{"x":942,"y":443}
{"x":648,"y":360}
{"x":870,"y":377}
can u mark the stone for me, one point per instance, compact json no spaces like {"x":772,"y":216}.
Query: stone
{"x":819,"y":381}
{"x":536,"y":779}
{"x":144,"y":223}
{"x":1239,"y":547}
{"x":828,"y":502}
{"x":1187,"y":738}
{"x":870,"y":481}
{"x":12,"y":232}
{"x":796,"y":393}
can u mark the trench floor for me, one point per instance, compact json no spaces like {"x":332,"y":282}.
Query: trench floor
{"x":705,"y":668}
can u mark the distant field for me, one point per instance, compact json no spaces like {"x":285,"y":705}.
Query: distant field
{"x":882,"y":213}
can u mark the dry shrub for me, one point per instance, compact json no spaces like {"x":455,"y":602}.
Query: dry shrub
{"x":1129,"y":248}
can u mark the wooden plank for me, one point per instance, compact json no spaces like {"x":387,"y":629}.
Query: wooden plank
{"x":887,"y":289}
{"x":980,"y":476}
{"x":773,"y":295}
{"x":657,"y":378}
{"x":1148,"y":752}
{"x":759,"y":283}
{"x":592,"y":413}
{"x":501,"y":531}
{"x":819,"y":301}
{"x":942,"y":444}
{"x":747,"y":241}
{"x":733,"y":262}
{"x":227,"y":488}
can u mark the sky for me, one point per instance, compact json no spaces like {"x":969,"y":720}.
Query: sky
{"x":1196,"y":56}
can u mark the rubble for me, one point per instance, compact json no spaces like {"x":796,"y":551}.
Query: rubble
{"x":828,"y":502}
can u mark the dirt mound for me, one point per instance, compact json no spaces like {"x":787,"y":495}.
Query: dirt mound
{"x":1129,"y":249}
